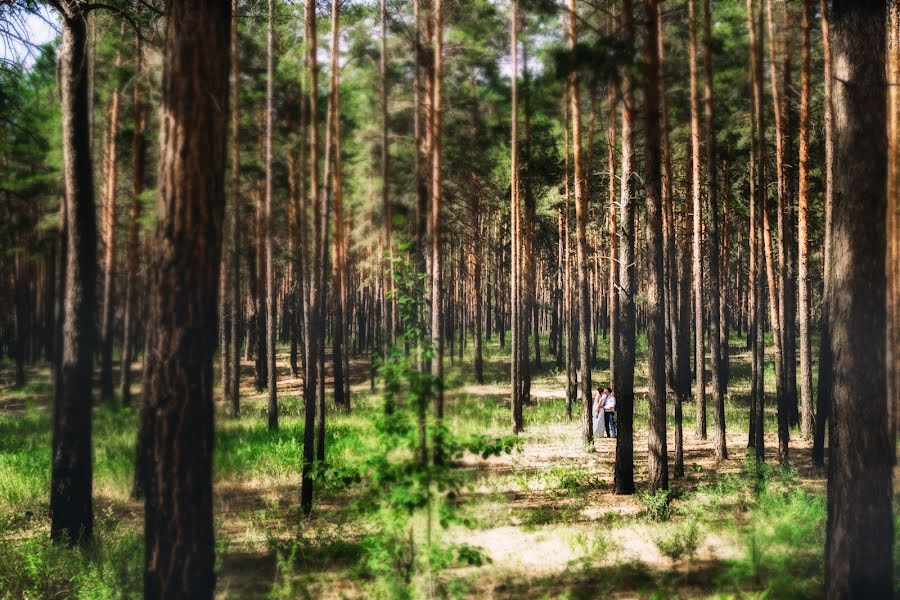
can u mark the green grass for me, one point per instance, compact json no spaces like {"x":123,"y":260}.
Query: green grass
{"x":776,"y":521}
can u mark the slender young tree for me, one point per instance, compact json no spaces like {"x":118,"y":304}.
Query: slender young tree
{"x":582,"y":255}
{"x":437,"y":339}
{"x":515,"y":286}
{"x":132,"y":244}
{"x":110,"y":217}
{"x":699,"y":314}
{"x":823,"y":402}
{"x":712,"y":193}
{"x":806,"y":408}
{"x":71,"y":477}
{"x":234,"y":243}
{"x":178,"y":511}
{"x":858,"y":558}
{"x":658,"y":463}
{"x":267,"y":223}
{"x":311,"y":300}
{"x":624,"y":374}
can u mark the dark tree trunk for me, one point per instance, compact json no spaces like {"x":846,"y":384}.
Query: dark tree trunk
{"x":858,"y":557}
{"x":624,"y":373}
{"x":658,"y":462}
{"x":715,"y":290}
{"x":178,"y":521}
{"x":71,"y":506}
{"x":132,"y":245}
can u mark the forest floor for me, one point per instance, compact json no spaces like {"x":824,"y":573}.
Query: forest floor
{"x":540,"y":522}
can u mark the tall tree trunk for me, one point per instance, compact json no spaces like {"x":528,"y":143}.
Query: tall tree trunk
{"x":234,"y":244}
{"x":339,"y":267}
{"x":515,"y":280}
{"x":699,"y":316}
{"x":858,"y":557}
{"x":893,"y":222}
{"x":658,"y":462}
{"x":437,"y":340}
{"x":823,"y":401}
{"x":582,"y":255}
{"x":777,"y":292}
{"x":71,"y":505}
{"x":390,"y":307}
{"x":803,"y":230}
{"x":311,"y":311}
{"x":757,"y":207}
{"x":712,"y":191}
{"x":624,"y":374}
{"x":613,"y":231}
{"x":109,"y":240}
{"x":178,"y":511}
{"x":267,"y":223}
{"x":132,"y":247}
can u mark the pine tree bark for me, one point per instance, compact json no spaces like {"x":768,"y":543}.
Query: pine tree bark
{"x":823,"y":402}
{"x":582,"y":253}
{"x":235,"y":219}
{"x":437,"y":340}
{"x":715,"y":291}
{"x":71,"y":505}
{"x":624,"y":373}
{"x":658,"y":462}
{"x":858,"y":560}
{"x":312,"y":322}
{"x":109,"y":240}
{"x":697,"y":261}
{"x":132,"y":245}
{"x":515,"y":279}
{"x":267,"y":223}
{"x":806,"y":422}
{"x":178,"y":523}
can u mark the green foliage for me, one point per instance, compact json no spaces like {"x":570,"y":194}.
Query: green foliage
{"x":656,"y":506}
{"x":678,"y":540}
{"x":785,"y":539}
{"x":110,"y":568}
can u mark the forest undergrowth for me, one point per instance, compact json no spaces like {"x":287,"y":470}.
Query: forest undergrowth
{"x":536,"y":518}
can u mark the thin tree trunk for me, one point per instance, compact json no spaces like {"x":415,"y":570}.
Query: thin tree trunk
{"x":803,"y":230}
{"x":658,"y":462}
{"x":515,"y":232}
{"x":582,"y":255}
{"x":132,"y":248}
{"x":178,"y":517}
{"x":823,"y":401}
{"x":437,"y":339}
{"x":624,"y":374}
{"x":312,"y":322}
{"x":697,"y":279}
{"x":109,"y":239}
{"x":715,"y":291}
{"x":267,"y":223}
{"x":860,"y":536}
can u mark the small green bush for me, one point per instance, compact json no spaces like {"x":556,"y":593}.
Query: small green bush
{"x":656,"y":506}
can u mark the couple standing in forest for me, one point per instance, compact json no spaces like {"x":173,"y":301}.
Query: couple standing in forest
{"x":604,"y":412}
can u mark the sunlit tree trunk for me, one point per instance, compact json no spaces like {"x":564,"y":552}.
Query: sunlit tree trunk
{"x":437,"y":339}
{"x":515,"y":287}
{"x":109,"y":240}
{"x":715,"y":289}
{"x":658,"y":463}
{"x":582,"y":256}
{"x":697,"y":271}
{"x":823,"y":401}
{"x":806,"y":421}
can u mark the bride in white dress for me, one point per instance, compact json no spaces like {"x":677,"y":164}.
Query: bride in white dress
{"x":598,"y":413}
